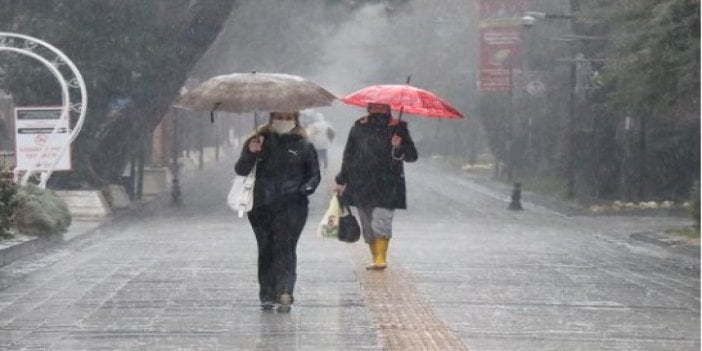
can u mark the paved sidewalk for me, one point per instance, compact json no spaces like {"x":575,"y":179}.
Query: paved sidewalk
{"x":464,"y":273}
{"x":184,"y":278}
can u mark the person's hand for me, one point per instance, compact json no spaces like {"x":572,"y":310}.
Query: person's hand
{"x":338,"y":189}
{"x":256,"y":145}
{"x":396,"y":140}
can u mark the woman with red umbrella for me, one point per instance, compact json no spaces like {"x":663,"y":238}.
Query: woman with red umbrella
{"x":372,"y":175}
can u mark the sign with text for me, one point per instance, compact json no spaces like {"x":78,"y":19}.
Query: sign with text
{"x":500,"y":43}
{"x":33,"y":128}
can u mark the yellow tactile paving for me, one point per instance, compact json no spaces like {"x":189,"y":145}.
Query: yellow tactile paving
{"x":405,"y":320}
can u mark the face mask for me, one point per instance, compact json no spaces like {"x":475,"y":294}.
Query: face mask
{"x":282,"y":127}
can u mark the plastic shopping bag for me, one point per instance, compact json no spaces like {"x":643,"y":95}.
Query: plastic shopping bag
{"x":240,"y":198}
{"x":329,"y":226}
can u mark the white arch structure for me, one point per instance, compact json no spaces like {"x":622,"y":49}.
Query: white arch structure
{"x":53,"y":59}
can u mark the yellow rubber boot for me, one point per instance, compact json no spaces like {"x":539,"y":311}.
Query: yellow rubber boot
{"x":374,"y":252}
{"x":379,"y":248}
{"x":382,"y":252}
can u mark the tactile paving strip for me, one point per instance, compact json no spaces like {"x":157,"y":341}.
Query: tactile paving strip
{"x":405,"y":320}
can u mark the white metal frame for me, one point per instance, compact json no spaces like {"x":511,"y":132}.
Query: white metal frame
{"x":54,"y":60}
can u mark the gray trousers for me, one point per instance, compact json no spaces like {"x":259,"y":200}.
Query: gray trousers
{"x":375,"y":222}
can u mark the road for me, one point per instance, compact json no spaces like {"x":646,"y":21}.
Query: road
{"x":465,"y":274}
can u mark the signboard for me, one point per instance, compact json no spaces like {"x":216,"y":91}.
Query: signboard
{"x":33,"y":127}
{"x":500,"y":43}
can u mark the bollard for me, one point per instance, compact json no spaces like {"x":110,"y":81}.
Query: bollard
{"x":175,"y":193}
{"x":516,"y":204}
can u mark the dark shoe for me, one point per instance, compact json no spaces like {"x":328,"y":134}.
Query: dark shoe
{"x":267,"y":305}
{"x":285,"y":301}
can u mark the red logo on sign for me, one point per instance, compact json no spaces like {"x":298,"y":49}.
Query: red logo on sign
{"x":41,"y":139}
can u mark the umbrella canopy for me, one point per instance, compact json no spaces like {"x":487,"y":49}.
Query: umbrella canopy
{"x":248,"y":92}
{"x":405,"y":98}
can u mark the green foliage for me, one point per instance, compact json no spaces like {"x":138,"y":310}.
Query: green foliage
{"x":654,"y":60}
{"x":654,"y":74}
{"x":686,"y":232}
{"x":40,"y":212}
{"x":134,"y":56}
{"x":651,"y":73}
{"x":8,"y":204}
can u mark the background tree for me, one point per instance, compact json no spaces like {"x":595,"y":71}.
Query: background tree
{"x":134,"y":55}
{"x":654,"y":76}
{"x":636,"y":128}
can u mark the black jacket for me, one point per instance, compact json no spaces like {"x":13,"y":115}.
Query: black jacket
{"x":287,"y":169}
{"x":373,"y":177}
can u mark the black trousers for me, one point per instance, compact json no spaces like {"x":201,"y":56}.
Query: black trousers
{"x":277,"y":231}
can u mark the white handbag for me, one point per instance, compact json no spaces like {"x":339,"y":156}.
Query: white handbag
{"x":241,"y":195}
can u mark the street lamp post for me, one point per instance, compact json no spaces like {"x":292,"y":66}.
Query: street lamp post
{"x":175,"y":167}
{"x":528,"y":20}
{"x":510,"y":123}
{"x":570,"y":169}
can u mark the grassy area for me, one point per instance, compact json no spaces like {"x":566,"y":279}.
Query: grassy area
{"x":549,"y":186}
{"x":685,"y":232}
{"x":484,"y":167}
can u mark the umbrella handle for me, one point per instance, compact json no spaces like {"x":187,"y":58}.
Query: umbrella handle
{"x":255,"y":120}
{"x":212,"y":112}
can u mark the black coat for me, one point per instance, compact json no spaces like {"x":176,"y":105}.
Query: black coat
{"x":287,"y":169}
{"x":373,"y":177}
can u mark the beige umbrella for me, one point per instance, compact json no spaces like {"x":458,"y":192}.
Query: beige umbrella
{"x":249,"y":92}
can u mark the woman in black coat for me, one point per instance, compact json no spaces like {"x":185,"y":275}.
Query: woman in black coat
{"x":373,"y":178}
{"x":287,"y":172}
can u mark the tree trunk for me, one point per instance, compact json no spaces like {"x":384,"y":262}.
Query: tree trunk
{"x":195,"y":29}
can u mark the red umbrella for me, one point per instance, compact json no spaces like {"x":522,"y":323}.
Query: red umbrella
{"x":404,"y":98}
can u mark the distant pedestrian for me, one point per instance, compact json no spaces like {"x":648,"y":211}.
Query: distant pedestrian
{"x":372,"y":175}
{"x":287,"y":172}
{"x":321,"y":134}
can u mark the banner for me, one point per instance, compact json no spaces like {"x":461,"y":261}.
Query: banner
{"x":500,"y":43}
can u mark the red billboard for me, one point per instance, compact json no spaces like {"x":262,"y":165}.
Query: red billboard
{"x":500,"y":42}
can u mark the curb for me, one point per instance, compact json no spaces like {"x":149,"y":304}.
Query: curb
{"x":14,"y":250}
{"x":666,"y":241}
{"x":566,"y":208}
{"x":558,"y":205}
{"x":11,"y":251}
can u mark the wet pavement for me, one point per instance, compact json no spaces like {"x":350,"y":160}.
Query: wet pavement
{"x":539,"y":280}
{"x":465,"y":274}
